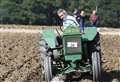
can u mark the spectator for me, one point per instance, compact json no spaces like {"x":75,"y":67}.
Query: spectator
{"x":81,"y":20}
{"x":93,"y":18}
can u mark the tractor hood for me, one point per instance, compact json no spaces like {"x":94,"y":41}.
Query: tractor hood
{"x":89,"y":33}
{"x":71,"y":31}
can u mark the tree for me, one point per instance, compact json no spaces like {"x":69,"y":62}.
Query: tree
{"x":44,"y":11}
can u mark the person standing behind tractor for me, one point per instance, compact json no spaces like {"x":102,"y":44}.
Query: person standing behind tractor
{"x":68,"y":21}
{"x":80,"y":16}
{"x":93,"y":18}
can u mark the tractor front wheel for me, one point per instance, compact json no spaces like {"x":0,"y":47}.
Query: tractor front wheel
{"x":47,"y":69}
{"x":46,"y":63}
{"x":96,"y":66}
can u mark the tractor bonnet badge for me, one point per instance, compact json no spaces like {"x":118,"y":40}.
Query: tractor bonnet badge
{"x":72,"y":44}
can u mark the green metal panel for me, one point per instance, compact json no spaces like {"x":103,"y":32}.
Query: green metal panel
{"x":71,"y":31}
{"x":50,"y":37}
{"x":73,"y":57}
{"x":72,"y":37}
{"x":90,"y":33}
{"x":68,"y":52}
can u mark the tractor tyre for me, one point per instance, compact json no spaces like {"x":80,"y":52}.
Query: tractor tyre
{"x":96,"y":66}
{"x":95,"y":44}
{"x":45,"y":61}
{"x":48,"y":69}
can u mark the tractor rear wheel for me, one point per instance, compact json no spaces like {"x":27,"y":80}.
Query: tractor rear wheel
{"x":46,"y":63}
{"x":96,"y":66}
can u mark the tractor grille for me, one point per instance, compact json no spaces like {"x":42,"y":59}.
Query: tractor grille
{"x":72,"y":44}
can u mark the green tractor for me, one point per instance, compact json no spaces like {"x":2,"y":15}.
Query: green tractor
{"x":73,"y":55}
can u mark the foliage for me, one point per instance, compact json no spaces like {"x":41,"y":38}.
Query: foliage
{"x":44,"y":11}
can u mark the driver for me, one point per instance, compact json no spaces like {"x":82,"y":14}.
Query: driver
{"x":68,"y":21}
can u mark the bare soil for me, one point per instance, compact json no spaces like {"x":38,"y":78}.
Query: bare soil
{"x":110,"y":57}
{"x":20,"y":57}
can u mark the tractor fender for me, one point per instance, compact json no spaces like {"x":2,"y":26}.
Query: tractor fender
{"x":50,"y":37}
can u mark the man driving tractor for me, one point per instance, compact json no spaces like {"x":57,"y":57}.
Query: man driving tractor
{"x":68,"y":21}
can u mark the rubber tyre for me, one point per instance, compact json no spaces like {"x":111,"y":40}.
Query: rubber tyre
{"x":45,"y":61}
{"x":96,"y":66}
{"x":48,"y":69}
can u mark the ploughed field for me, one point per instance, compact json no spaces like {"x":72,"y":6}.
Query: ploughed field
{"x":20,"y":56}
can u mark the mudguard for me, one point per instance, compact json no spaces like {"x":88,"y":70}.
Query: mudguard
{"x":49,"y":36}
{"x":90,"y":33}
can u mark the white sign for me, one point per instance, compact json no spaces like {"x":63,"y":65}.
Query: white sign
{"x":72,"y":44}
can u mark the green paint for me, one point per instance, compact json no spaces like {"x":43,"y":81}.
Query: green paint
{"x":72,"y":35}
{"x":49,"y":37}
{"x":71,"y":31}
{"x":73,"y":57}
{"x":90,"y":33}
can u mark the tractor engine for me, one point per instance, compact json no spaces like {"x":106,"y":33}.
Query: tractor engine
{"x":72,"y":46}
